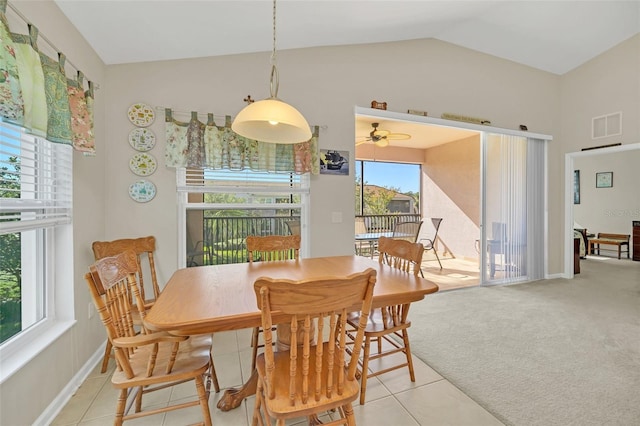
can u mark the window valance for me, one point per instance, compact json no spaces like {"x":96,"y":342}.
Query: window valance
{"x":195,"y":144}
{"x":36,"y":94}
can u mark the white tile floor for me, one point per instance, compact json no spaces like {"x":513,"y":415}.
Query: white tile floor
{"x":392,"y":399}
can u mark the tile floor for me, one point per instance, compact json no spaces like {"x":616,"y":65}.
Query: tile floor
{"x":391,"y":398}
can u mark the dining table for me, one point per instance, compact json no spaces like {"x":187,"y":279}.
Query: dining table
{"x":215,"y":298}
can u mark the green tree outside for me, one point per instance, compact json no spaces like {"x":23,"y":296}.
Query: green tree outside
{"x":10,"y":260}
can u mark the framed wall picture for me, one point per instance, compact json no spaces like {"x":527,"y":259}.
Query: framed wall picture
{"x":604,"y":179}
{"x":334,"y":162}
{"x":576,"y":187}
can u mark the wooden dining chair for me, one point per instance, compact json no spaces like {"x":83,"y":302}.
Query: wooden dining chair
{"x":265,"y":249}
{"x":150,"y":361}
{"x":391,"y":320}
{"x":144,"y":248}
{"x":314,"y":375}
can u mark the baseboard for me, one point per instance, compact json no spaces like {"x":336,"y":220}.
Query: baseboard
{"x":56,"y":406}
{"x":558,"y":275}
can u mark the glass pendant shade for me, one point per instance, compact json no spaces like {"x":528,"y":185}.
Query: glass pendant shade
{"x":272,"y":120}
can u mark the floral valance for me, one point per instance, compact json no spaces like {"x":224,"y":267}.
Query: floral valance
{"x":207,"y":145}
{"x":36,"y":94}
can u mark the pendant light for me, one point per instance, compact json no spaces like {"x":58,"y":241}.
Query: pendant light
{"x":272,"y":120}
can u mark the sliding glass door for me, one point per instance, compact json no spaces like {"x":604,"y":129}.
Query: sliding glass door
{"x":513,"y":208}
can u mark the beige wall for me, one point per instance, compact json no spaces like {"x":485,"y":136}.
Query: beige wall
{"x":608,"y":83}
{"x":29,"y":392}
{"x":325,"y":83}
{"x":451,"y":189}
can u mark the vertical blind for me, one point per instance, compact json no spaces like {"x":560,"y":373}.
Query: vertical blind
{"x":35,"y":181}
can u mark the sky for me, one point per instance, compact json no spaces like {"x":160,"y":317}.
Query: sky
{"x":403,"y":176}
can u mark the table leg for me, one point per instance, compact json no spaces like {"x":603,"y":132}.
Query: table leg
{"x":233,"y":397}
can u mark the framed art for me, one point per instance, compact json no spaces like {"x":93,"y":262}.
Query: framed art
{"x":334,"y":162}
{"x":604,"y":179}
{"x":576,"y":187}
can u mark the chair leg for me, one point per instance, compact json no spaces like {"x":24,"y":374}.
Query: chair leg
{"x":120,"y":406}
{"x":407,"y":352}
{"x":107,"y":355}
{"x":213,"y":376}
{"x":203,"y":397}
{"x":437,"y":257}
{"x":254,"y":345}
{"x":347,"y":411}
{"x":365,"y":369}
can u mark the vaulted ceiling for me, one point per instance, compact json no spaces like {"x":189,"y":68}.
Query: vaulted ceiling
{"x":554,"y":36}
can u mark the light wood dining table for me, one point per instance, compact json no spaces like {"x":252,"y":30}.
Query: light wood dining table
{"x":215,"y":298}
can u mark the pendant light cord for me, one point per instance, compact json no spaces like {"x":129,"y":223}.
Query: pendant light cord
{"x":274,"y":80}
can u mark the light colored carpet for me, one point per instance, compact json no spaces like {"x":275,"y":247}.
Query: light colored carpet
{"x":554,"y":352}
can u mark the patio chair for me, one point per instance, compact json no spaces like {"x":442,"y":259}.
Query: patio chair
{"x":388,"y":325}
{"x":313,"y":376}
{"x":407,"y":231}
{"x":429,"y":239}
{"x":150,"y":361}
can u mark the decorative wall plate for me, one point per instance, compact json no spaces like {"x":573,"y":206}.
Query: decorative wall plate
{"x":143,"y":164}
{"x":141,"y":115}
{"x":142,"y":139}
{"x":142,"y":191}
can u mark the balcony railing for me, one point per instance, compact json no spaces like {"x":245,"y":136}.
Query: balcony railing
{"x":386,"y":222}
{"x":224,"y":237}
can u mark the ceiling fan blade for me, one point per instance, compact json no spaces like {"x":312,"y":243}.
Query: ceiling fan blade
{"x":362,"y":139}
{"x":398,"y":136}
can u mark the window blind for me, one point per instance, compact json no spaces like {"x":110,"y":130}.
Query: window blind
{"x":230,"y":181}
{"x":35,"y":181}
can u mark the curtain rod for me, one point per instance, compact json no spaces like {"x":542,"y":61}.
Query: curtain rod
{"x":175,"y":111}
{"x":96,"y":86}
{"x":204,"y":114}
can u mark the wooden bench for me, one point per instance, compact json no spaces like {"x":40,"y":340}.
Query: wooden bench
{"x":619,"y":240}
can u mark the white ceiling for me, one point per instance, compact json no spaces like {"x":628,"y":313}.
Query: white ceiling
{"x":554,"y":36}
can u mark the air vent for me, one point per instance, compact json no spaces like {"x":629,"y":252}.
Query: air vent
{"x":606,"y":125}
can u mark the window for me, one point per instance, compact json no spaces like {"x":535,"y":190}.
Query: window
{"x":386,"y":188}
{"x":35,"y":240}
{"x":219,"y":208}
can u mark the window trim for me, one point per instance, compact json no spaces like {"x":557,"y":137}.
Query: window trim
{"x":56,"y":268}
{"x":183,"y":189}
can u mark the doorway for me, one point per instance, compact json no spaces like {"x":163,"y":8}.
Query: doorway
{"x":443,"y":133}
{"x":619,"y":212}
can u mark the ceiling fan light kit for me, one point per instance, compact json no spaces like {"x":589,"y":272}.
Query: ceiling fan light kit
{"x":272,"y":120}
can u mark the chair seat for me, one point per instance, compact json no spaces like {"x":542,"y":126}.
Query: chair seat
{"x":280,"y":406}
{"x":193,"y":359}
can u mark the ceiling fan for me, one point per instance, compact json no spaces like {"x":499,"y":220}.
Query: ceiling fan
{"x":381,"y":137}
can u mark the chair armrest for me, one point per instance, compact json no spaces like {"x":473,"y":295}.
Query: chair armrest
{"x":146,"y":339}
